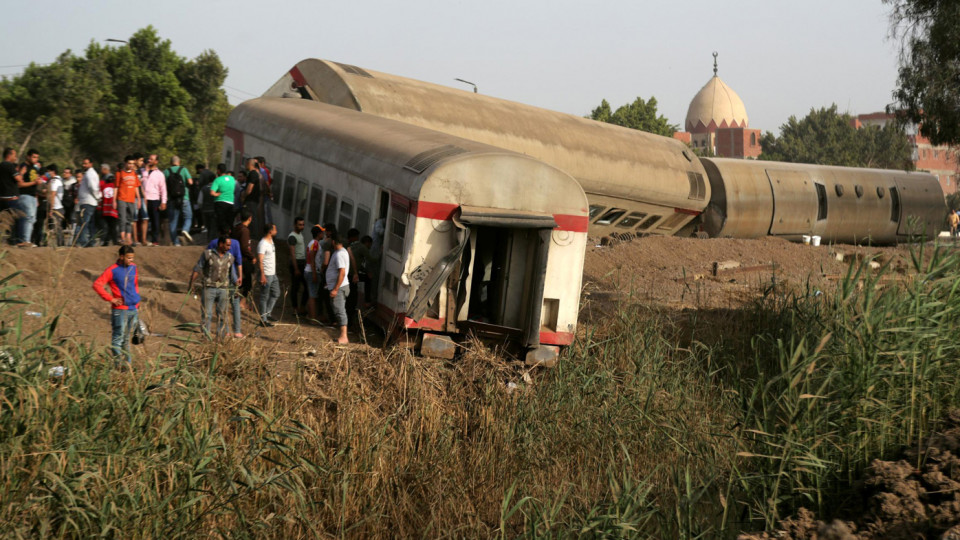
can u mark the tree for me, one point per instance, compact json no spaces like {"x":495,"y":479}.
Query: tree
{"x":114,"y":101}
{"x":928,"y":92}
{"x":826,"y":137}
{"x":640,"y":114}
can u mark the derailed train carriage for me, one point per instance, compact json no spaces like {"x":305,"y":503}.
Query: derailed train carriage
{"x":476,"y":238}
{"x":653,"y":184}
{"x":840,"y":204}
{"x":639,"y":183}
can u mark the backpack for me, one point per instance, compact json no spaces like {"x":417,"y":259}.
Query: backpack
{"x":175,"y":189}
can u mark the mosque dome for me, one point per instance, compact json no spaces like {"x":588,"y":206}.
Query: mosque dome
{"x":715,"y":106}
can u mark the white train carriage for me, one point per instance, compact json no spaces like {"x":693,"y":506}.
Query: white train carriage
{"x":474,"y":237}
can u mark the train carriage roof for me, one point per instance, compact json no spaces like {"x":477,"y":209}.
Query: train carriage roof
{"x":390,"y":153}
{"x":605,"y":158}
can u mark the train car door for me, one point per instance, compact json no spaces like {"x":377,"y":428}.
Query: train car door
{"x":905,"y":200}
{"x":500,"y":285}
{"x":795,"y":202}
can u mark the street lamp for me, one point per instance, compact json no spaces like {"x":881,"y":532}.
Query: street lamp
{"x":117,"y":41}
{"x":470,"y":83}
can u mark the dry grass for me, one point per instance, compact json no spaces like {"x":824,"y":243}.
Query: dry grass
{"x":688,"y":425}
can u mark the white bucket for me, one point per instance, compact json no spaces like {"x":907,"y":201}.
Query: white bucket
{"x":806,"y":239}
{"x":815,"y":240}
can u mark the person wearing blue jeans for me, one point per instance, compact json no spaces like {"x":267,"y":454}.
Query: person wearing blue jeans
{"x":88,"y":195}
{"x":86,"y":226}
{"x":270,"y":284}
{"x":28,"y":205}
{"x":219,"y":279}
{"x":176,"y":209}
{"x":120,"y":285}
{"x":179,"y":206}
{"x":234,"y":291}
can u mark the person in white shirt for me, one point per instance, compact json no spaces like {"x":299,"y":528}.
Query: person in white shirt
{"x":270,"y":284}
{"x":56,"y":220}
{"x":88,"y":196}
{"x":338,"y":284}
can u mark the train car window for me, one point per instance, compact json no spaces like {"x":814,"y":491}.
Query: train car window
{"x":300,"y":207}
{"x":858,"y":189}
{"x":611,"y":215}
{"x":330,"y":209}
{"x":671,"y":222}
{"x":288,"y":190}
{"x":316,"y":197}
{"x":363,"y":220}
{"x":398,"y":229}
{"x":346,"y":216}
{"x":880,"y":192}
{"x":821,"y":202}
{"x":595,"y":210}
{"x":698,"y":189}
{"x":647,"y":223}
{"x":277,"y":186}
{"x":839,"y":189}
{"x":631,"y":220}
{"x":894,"y":204}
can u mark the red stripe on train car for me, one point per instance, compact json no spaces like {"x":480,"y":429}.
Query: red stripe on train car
{"x":687,"y":211}
{"x":556,"y":338}
{"x":444,"y":212}
{"x":297,"y":76}
{"x":567,"y":222}
{"x":237,"y":137}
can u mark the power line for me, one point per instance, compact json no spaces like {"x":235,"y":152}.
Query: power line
{"x":241,"y":91}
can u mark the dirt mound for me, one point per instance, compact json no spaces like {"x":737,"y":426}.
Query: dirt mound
{"x":904,"y":502}
{"x":679,"y":272}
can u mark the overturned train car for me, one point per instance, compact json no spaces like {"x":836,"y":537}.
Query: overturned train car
{"x":840,"y":204}
{"x":473,"y":237}
{"x":639,"y":183}
{"x":656,"y":184}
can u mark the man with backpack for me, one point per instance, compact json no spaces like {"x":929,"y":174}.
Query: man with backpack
{"x":178,"y":200}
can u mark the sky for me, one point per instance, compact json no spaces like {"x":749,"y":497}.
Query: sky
{"x":782,"y":58}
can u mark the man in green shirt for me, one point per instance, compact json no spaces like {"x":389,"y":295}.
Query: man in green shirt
{"x":222,"y":190}
{"x":178,"y":200}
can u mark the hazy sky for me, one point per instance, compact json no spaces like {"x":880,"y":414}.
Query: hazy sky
{"x":781,"y":57}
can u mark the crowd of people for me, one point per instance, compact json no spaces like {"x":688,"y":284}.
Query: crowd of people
{"x":123,"y":204}
{"x":128,"y":205}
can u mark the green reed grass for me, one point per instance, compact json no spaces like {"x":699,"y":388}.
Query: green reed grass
{"x":654,"y":424}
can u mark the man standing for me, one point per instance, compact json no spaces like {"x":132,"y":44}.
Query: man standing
{"x":298,"y":265}
{"x":219,"y":277}
{"x":88,"y":197}
{"x":9,"y":185}
{"x":234,"y":292}
{"x":313,"y":282}
{"x":69,"y":196}
{"x":143,"y":217}
{"x":128,"y":199}
{"x":29,"y":178}
{"x":241,"y":234}
{"x":270,"y":285}
{"x":178,"y":181}
{"x":266,"y":185}
{"x":203,"y":202}
{"x":252,"y":193}
{"x":338,"y":286}
{"x":124,"y":296}
{"x":55,"y":212}
{"x":223,"y":190}
{"x":155,"y":191}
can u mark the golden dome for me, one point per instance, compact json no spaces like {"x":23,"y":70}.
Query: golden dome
{"x":716,"y":105}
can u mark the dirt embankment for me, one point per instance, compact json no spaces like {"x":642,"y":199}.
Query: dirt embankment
{"x":917,"y":496}
{"x":668,"y":272}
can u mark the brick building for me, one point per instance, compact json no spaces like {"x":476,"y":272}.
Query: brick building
{"x":937,"y":160}
{"x":717,"y":121}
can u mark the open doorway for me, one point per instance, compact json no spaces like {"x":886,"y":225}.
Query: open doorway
{"x":507,"y":268}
